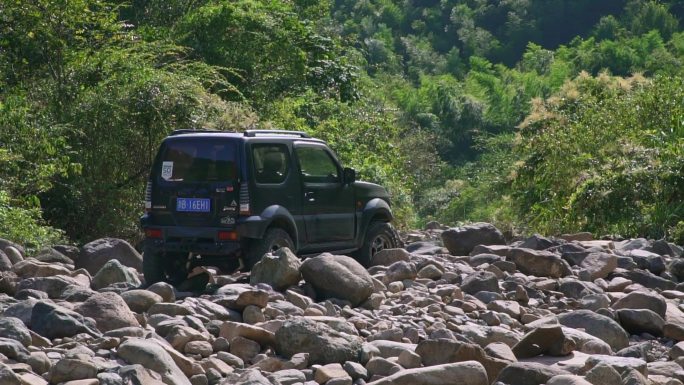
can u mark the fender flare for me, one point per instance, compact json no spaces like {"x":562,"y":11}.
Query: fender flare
{"x":256,"y":225}
{"x":376,"y":207}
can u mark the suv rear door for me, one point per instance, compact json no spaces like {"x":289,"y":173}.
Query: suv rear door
{"x":328,"y":203}
{"x":195,"y":182}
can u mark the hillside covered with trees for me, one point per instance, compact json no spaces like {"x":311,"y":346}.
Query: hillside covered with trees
{"x":538,"y":115}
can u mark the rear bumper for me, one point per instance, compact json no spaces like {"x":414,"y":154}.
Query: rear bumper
{"x":202,"y":240}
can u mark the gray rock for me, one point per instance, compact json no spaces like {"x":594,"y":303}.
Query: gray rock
{"x":621,"y":364}
{"x":151,"y":355}
{"x":603,"y":374}
{"x":13,"y":328}
{"x":33,"y":268}
{"x":109,"y":312}
{"x":599,"y":265}
{"x":539,"y":263}
{"x":442,"y":351}
{"x":462,"y":373}
{"x":50,"y":255}
{"x":528,"y":373}
{"x":637,"y":321}
{"x":280,"y":270}
{"x":140,"y":301}
{"x":567,"y":379}
{"x":462,"y":240}
{"x":386,"y":257}
{"x":287,"y":377}
{"x":7,"y":376}
{"x":95,"y":254}
{"x":5,"y":262}
{"x":13,"y":254}
{"x":399,"y":271}
{"x":597,"y":325}
{"x":53,"y":286}
{"x":481,"y":281}
{"x":647,"y":279}
{"x":69,"y":369}
{"x":546,"y":339}
{"x":324,"y":344}
{"x":537,"y":242}
{"x":336,"y":276}
{"x":481,"y":259}
{"x":52,"y":321}
{"x":165,"y":290}
{"x":14,"y":350}
{"x":676,"y":268}
{"x":114,"y":272}
{"x":642,"y":300}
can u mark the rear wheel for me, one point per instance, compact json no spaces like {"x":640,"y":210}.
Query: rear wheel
{"x":274,"y":239}
{"x":169,"y":267}
{"x":152,"y":266}
{"x":379,"y":236}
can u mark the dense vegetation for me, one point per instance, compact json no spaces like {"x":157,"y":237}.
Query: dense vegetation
{"x":550,"y":116}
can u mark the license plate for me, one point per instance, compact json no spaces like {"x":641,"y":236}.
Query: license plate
{"x":193,"y":205}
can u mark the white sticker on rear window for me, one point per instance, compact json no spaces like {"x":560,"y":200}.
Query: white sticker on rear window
{"x":167,"y":170}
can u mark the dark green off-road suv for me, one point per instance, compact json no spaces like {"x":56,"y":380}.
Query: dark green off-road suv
{"x":225,"y":199}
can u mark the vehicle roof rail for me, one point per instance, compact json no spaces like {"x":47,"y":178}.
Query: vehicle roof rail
{"x":193,"y":131}
{"x":253,"y":133}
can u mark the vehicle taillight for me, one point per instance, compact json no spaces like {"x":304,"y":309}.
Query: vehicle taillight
{"x":153,"y":233}
{"x":244,"y":199}
{"x":148,"y":196}
{"x":227,"y":236}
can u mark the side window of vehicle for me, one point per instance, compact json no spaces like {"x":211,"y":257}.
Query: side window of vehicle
{"x":317,"y":166}
{"x":271,"y":163}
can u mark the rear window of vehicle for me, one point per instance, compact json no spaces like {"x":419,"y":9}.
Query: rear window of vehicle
{"x":194,"y":160}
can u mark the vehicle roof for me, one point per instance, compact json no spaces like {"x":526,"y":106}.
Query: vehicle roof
{"x":245,"y":136}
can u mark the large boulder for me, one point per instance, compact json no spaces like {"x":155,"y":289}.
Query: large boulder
{"x":54,"y":286}
{"x":13,"y":328}
{"x":481,"y":281}
{"x":114,"y":272}
{"x":108,"y":310}
{"x":338,"y":276}
{"x":643,"y":300}
{"x":528,"y":373}
{"x":444,"y":351}
{"x":462,"y":373}
{"x":95,"y":254}
{"x":152,"y":356}
{"x":280,"y":270}
{"x":539,"y":263}
{"x":599,"y":265}
{"x":637,"y":321}
{"x":546,"y":339}
{"x":52,"y":321}
{"x":597,"y":325}
{"x":462,"y":240}
{"x":324,"y":344}
{"x":34,"y":268}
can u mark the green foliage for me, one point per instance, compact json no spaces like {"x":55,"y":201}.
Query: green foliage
{"x":605,"y":155}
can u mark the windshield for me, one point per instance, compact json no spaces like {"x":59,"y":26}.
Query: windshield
{"x":197,"y":160}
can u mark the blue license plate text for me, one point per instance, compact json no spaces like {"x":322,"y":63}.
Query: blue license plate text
{"x":193,"y":205}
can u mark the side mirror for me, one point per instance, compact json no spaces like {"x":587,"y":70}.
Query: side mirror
{"x":349,"y":176}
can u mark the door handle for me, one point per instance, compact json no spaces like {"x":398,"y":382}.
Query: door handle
{"x":310,"y":196}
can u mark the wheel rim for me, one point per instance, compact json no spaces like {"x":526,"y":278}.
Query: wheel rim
{"x":380,"y":242}
{"x":279,"y":244}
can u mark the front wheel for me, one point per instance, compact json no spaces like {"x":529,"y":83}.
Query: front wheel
{"x":379,"y":236}
{"x":274,"y":239}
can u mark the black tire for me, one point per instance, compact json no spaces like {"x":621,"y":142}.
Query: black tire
{"x":274,"y":239}
{"x":153,"y":270}
{"x":158,"y":267}
{"x":379,"y":236}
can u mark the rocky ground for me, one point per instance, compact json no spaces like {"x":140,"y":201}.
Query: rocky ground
{"x":456,"y":306}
